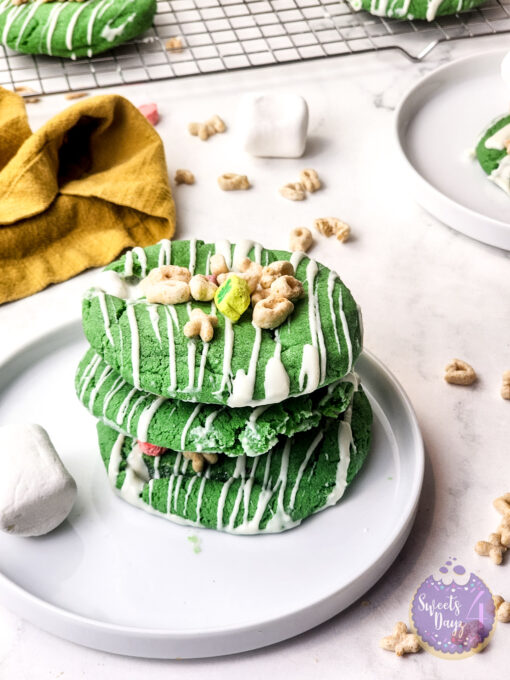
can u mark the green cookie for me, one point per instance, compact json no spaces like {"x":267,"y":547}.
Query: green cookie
{"x":73,"y":29}
{"x":413,"y":9}
{"x":184,"y":426}
{"x":267,"y":494}
{"x":492,"y":154}
{"x":242,"y":365}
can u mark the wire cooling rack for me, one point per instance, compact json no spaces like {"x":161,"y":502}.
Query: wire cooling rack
{"x":228,"y":35}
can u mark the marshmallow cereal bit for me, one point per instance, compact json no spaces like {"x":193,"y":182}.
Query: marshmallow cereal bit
{"x":272,"y":125}
{"x":36,"y":491}
{"x":150,"y":111}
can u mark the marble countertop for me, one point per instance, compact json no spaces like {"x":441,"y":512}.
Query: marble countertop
{"x":427,"y":293}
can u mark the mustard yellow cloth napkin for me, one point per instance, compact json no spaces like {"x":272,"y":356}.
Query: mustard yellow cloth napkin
{"x":89,"y":183}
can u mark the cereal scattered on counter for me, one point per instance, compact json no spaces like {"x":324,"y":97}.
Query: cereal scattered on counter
{"x":229,"y":181}
{"x":502,"y":609}
{"x":184,"y":177}
{"x":459,"y":372}
{"x":401,"y":641}
{"x":76,"y":95}
{"x":294,"y":191}
{"x":32,"y":100}
{"x":300,"y":239}
{"x":329,"y":226}
{"x":492,"y":548}
{"x":205,"y":130}
{"x":174,"y":44}
{"x":150,"y":111}
{"x":310,"y":180}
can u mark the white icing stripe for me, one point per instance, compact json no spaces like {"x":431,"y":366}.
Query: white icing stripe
{"x":117,"y":385}
{"x":192,"y":255}
{"x":142,"y":260}
{"x":11,"y":17}
{"x":171,"y":318}
{"x":241,"y":251}
{"x":156,"y":467}
{"x":244,"y":384}
{"x":52,"y":21}
{"x":498,"y":139}
{"x":296,"y":258}
{"x":107,"y":372}
{"x":115,"y":460}
{"x":344,"y":452}
{"x":90,"y":26}
{"x":72,"y":24}
{"x":227,"y":355}
{"x":310,"y":369}
{"x":152,"y":310}
{"x":192,"y":417}
{"x":145,"y":419}
{"x":276,"y":378}
{"x":128,"y":263}
{"x":331,"y":285}
{"x":302,"y":469}
{"x":223,"y":248}
{"x":201,"y":370}
{"x":104,"y":311}
{"x":88,"y":374}
{"x":345,"y":329}
{"x":33,"y":9}
{"x":165,"y":251}
{"x":111,"y":34}
{"x":501,"y":175}
{"x":121,"y":413}
{"x":135,"y":345}
{"x":133,"y":410}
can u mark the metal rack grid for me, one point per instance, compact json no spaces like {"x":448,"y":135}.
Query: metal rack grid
{"x":228,"y":35}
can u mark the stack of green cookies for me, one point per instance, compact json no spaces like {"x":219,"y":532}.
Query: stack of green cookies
{"x":250,"y":432}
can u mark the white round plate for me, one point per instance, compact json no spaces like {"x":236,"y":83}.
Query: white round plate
{"x":121,"y":580}
{"x":438,"y":122}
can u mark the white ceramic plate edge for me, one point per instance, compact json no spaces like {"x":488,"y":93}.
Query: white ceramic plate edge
{"x":453,"y":214}
{"x":156,"y":643}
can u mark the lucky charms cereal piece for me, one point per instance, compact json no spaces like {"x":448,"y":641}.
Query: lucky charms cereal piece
{"x":401,"y":641}
{"x":150,"y":111}
{"x":151,"y":449}
{"x":233,"y":297}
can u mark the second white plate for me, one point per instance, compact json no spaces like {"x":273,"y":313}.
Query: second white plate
{"x":121,"y":580}
{"x":437,"y":123}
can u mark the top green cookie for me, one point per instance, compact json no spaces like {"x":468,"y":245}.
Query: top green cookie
{"x":243,"y":365}
{"x":492,"y":154}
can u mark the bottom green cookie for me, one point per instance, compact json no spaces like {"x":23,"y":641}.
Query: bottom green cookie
{"x":491,"y":152}
{"x":273,"y":492}
{"x":414,"y":9}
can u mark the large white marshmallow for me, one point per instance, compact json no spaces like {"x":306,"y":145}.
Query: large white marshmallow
{"x":272,"y":125}
{"x":36,"y":491}
{"x":505,"y":70}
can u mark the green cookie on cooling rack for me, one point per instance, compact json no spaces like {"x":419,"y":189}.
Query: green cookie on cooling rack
{"x":413,"y":9}
{"x":72,"y":29}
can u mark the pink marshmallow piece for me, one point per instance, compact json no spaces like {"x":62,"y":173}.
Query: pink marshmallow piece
{"x":150,"y":111}
{"x":211,"y":277}
{"x":151,"y":449}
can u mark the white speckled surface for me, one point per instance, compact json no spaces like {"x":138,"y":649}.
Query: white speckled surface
{"x":427,"y":293}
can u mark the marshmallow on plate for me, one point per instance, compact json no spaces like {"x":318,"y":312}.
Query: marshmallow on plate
{"x":36,"y":491}
{"x":272,"y":125}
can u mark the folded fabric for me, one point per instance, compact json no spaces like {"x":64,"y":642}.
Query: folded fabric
{"x":89,"y":183}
